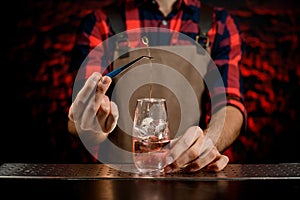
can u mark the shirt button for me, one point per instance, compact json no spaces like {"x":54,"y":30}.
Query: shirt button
{"x":164,"y":22}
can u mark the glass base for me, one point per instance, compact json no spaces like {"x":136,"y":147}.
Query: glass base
{"x":157,"y":172}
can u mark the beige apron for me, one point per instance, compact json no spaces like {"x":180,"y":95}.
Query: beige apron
{"x":176,"y":74}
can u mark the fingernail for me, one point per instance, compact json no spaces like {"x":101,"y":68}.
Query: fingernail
{"x":104,"y":80}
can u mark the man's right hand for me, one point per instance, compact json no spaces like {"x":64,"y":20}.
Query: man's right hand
{"x":92,"y":115}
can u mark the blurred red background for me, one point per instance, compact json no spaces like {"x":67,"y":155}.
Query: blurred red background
{"x":38,"y":39}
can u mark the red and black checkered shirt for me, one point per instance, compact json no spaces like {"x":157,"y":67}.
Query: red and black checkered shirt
{"x":226,"y":43}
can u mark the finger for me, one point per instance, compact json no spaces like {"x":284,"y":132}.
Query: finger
{"x":102,"y":103}
{"x":103,"y":112}
{"x":112,"y":118}
{"x":183,"y":143}
{"x":84,"y":96}
{"x":219,"y":164}
{"x":103,"y":85}
{"x":201,"y":162}
{"x":173,"y":142}
{"x":206,"y":147}
{"x":94,"y":112}
{"x":190,"y":154}
{"x":200,"y":149}
{"x":88,"y":119}
{"x":89,"y":88}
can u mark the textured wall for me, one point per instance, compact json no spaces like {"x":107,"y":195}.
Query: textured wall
{"x":39,"y":36}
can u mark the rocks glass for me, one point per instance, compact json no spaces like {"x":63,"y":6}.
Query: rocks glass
{"x":150,"y":135}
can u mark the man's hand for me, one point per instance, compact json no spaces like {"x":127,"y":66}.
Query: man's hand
{"x":92,"y":115}
{"x":194,"y":151}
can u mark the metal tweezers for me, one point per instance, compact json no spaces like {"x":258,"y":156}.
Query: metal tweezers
{"x":122,"y":68}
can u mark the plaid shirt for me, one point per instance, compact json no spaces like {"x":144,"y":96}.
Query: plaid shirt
{"x":225,"y":40}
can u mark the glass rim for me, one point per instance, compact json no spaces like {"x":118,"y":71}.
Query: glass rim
{"x":151,"y":99}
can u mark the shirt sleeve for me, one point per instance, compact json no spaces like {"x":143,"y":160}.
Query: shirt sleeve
{"x":89,"y":52}
{"x":227,"y":51}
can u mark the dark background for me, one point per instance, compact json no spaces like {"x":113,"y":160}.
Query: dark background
{"x":37,"y":38}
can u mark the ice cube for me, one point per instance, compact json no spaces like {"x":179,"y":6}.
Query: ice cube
{"x":147,"y":121}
